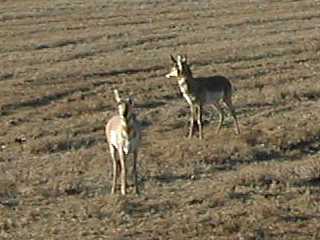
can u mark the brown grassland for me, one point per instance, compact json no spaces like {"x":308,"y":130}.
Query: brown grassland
{"x":60,"y":60}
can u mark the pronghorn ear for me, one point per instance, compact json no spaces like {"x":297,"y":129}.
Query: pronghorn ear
{"x":173,"y":59}
{"x":116,"y":95}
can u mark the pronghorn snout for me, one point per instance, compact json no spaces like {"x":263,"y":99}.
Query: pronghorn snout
{"x":168,"y":75}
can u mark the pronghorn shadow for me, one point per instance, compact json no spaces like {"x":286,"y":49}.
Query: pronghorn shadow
{"x":138,"y":208}
{"x":256,"y":105}
{"x":170,"y":178}
{"x":312,"y":182}
{"x":145,"y":123}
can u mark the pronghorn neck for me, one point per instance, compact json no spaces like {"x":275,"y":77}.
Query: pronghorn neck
{"x":185,"y":79}
{"x":185,"y":76}
{"x":186,"y":83}
{"x":127,"y":126}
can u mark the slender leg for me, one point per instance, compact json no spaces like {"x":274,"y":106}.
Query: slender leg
{"x":229,"y":104}
{"x":199,"y":120}
{"x":192,"y":112}
{"x":115,"y":169}
{"x":118,"y":168}
{"x":123,"y":173}
{"x":221,"y":115}
{"x":134,"y":170}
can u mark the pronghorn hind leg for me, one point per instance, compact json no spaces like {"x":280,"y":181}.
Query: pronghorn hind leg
{"x":119,"y":171}
{"x":134,"y":171}
{"x":221,"y":115}
{"x":123,"y":173}
{"x":118,"y":168}
{"x":115,"y":169}
{"x":229,"y":104}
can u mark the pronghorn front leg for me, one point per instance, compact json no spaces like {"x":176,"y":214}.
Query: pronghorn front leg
{"x":199,"y":119}
{"x":192,"y":118}
{"x":134,"y":171}
{"x":115,"y":170}
{"x":123,"y":173}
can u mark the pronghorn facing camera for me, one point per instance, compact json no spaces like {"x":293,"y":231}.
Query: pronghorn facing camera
{"x":123,"y":136}
{"x":200,"y":91}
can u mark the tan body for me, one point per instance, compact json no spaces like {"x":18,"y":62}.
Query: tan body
{"x":113,"y":133}
{"x":123,"y":136}
{"x":201,"y":91}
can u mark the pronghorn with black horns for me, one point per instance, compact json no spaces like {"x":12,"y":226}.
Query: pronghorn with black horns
{"x":123,"y":136}
{"x":200,"y":91}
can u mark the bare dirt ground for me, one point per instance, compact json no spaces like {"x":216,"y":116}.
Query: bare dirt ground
{"x":60,"y":60}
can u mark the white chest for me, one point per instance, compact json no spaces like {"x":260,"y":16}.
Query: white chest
{"x":183,"y":85}
{"x":124,"y":142}
{"x":188,"y":98}
{"x":114,"y":138}
{"x":185,"y":91}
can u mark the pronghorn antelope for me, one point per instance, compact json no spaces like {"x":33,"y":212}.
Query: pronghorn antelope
{"x":200,"y":91}
{"x":123,"y":136}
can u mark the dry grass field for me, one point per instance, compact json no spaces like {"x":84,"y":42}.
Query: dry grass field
{"x":60,"y":61}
